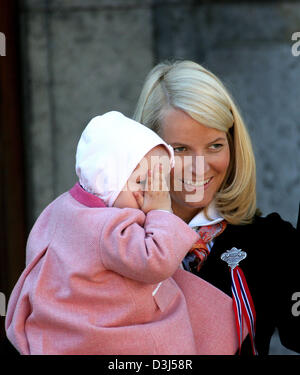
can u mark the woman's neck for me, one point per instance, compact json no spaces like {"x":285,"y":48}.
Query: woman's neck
{"x":185,"y":213}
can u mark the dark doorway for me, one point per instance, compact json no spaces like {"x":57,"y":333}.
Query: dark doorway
{"x":12,"y":196}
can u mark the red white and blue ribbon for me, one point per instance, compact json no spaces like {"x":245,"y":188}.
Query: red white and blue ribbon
{"x":243,"y":305}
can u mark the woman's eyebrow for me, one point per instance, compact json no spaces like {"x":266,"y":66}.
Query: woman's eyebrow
{"x":179,"y":143}
{"x":217,"y":139}
{"x":186,"y":145}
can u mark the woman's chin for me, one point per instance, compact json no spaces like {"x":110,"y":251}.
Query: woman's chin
{"x":190,"y":200}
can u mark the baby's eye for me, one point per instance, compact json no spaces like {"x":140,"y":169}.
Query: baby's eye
{"x":141,"y":181}
{"x":179,"y":149}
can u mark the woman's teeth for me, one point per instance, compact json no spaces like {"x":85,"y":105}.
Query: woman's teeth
{"x":197,"y":183}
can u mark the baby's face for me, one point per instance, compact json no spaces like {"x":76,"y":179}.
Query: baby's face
{"x":138,"y":178}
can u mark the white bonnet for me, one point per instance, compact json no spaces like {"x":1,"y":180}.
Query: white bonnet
{"x":109,"y":149}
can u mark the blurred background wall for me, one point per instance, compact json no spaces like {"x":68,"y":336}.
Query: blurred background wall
{"x":81,"y":58}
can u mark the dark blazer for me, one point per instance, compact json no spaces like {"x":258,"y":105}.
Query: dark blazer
{"x":272,"y":272}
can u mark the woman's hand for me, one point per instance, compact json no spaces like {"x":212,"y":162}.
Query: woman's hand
{"x":154,"y":197}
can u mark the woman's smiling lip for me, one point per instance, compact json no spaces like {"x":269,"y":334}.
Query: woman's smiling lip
{"x":197,"y":184}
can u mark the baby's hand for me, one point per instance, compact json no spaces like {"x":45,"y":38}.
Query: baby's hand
{"x":154,"y":198}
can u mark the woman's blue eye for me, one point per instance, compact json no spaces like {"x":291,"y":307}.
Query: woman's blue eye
{"x":216,"y":146}
{"x":179,"y":149}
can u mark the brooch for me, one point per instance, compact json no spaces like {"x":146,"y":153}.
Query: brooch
{"x":233,"y":257}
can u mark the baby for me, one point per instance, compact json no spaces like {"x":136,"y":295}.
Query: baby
{"x":100,"y":258}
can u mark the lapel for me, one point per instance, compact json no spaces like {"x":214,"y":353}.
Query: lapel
{"x":216,"y":271}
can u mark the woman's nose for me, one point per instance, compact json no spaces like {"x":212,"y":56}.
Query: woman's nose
{"x":206,"y":166}
{"x":199,"y":166}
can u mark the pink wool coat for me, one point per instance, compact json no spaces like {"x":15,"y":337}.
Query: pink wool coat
{"x":107,"y":281}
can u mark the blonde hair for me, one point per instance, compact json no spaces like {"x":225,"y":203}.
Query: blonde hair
{"x":190,"y":87}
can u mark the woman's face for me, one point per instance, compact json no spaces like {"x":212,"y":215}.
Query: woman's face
{"x":190,"y":138}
